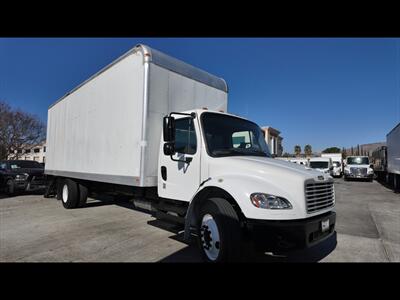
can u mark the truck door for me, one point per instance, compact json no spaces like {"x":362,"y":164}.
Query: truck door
{"x":177,"y":179}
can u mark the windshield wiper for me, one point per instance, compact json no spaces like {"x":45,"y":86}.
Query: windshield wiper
{"x":239,"y":151}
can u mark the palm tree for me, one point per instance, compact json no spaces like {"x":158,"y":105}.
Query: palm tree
{"x":297,"y":150}
{"x":307,"y":150}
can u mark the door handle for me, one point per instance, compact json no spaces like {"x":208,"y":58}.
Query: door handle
{"x":164,"y":173}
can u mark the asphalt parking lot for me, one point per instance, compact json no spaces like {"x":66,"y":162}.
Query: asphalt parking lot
{"x":36,"y":229}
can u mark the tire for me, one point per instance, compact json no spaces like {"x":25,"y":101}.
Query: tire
{"x":10,"y":187}
{"x":83,"y":195}
{"x":69,"y":194}
{"x":218,"y":220}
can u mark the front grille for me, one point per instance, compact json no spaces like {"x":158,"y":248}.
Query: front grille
{"x":319,"y":195}
{"x":358,"y":171}
{"x":38,"y":179}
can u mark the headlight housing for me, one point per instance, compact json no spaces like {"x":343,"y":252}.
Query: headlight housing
{"x":21,"y":176}
{"x":261,"y":200}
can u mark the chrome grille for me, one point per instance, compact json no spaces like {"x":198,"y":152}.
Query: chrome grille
{"x":319,"y":195}
{"x":358,"y":171}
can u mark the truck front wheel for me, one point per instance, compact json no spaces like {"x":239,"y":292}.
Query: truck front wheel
{"x":69,"y":194}
{"x":219,"y":234}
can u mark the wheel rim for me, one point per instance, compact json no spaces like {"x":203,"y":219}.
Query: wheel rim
{"x":210,"y":237}
{"x":65,"y":193}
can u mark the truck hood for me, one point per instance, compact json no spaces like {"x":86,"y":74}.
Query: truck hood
{"x":264,"y":167}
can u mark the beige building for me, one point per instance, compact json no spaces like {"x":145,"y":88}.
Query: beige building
{"x":32,"y":152}
{"x":273,"y":140}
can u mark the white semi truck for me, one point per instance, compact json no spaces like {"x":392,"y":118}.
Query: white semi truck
{"x":155,"y":128}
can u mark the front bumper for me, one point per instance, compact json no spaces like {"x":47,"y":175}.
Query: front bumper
{"x":361,"y":176}
{"x":290,"y":234}
{"x":29,"y":186}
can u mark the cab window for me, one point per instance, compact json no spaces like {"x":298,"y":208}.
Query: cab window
{"x":185,"y":136}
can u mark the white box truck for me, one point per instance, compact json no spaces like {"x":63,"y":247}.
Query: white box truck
{"x":337,"y":163}
{"x":156,"y":128}
{"x":393,"y":157}
{"x":321,"y":164}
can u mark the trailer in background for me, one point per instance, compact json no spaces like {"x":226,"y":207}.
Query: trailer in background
{"x":393,"y":157}
{"x":379,"y":160}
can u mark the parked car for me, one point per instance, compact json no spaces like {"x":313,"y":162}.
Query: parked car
{"x":21,"y":175}
{"x":358,"y":167}
{"x":322,"y":164}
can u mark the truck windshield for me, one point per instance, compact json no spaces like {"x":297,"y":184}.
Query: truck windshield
{"x":357,"y":161}
{"x":319,"y":164}
{"x":231,"y":136}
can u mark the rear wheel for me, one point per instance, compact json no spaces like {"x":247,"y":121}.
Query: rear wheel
{"x":83,"y":194}
{"x":69,"y":194}
{"x":219,"y":233}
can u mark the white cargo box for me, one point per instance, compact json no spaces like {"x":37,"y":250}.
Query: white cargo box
{"x":393,"y":150}
{"x":108,"y":129}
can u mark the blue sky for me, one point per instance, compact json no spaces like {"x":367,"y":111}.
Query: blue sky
{"x":321,"y":91}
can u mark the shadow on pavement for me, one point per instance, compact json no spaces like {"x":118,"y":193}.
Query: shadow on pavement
{"x":21,"y":193}
{"x":313,"y":254}
{"x":191,"y":253}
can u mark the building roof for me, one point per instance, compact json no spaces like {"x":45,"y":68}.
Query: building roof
{"x":271,"y":130}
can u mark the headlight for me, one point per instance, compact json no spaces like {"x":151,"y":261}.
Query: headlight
{"x":22,"y":176}
{"x":370,"y":170}
{"x":269,"y":201}
{"x":346,"y":171}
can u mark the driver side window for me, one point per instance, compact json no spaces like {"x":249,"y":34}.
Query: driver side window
{"x":185,"y":136}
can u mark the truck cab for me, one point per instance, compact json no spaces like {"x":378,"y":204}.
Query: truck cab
{"x":321,"y":164}
{"x":358,"y":167}
{"x":220,"y":164}
{"x":337,"y":168}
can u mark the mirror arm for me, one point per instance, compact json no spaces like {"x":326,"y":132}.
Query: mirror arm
{"x":187,"y":160}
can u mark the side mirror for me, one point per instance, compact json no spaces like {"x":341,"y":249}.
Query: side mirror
{"x":331,"y":168}
{"x":169,"y":129}
{"x":169,"y":148}
{"x":371,"y":166}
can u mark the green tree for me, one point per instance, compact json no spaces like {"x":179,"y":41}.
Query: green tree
{"x":297,"y":150}
{"x":307,"y":150}
{"x":287,"y":155}
{"x":331,"y":150}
